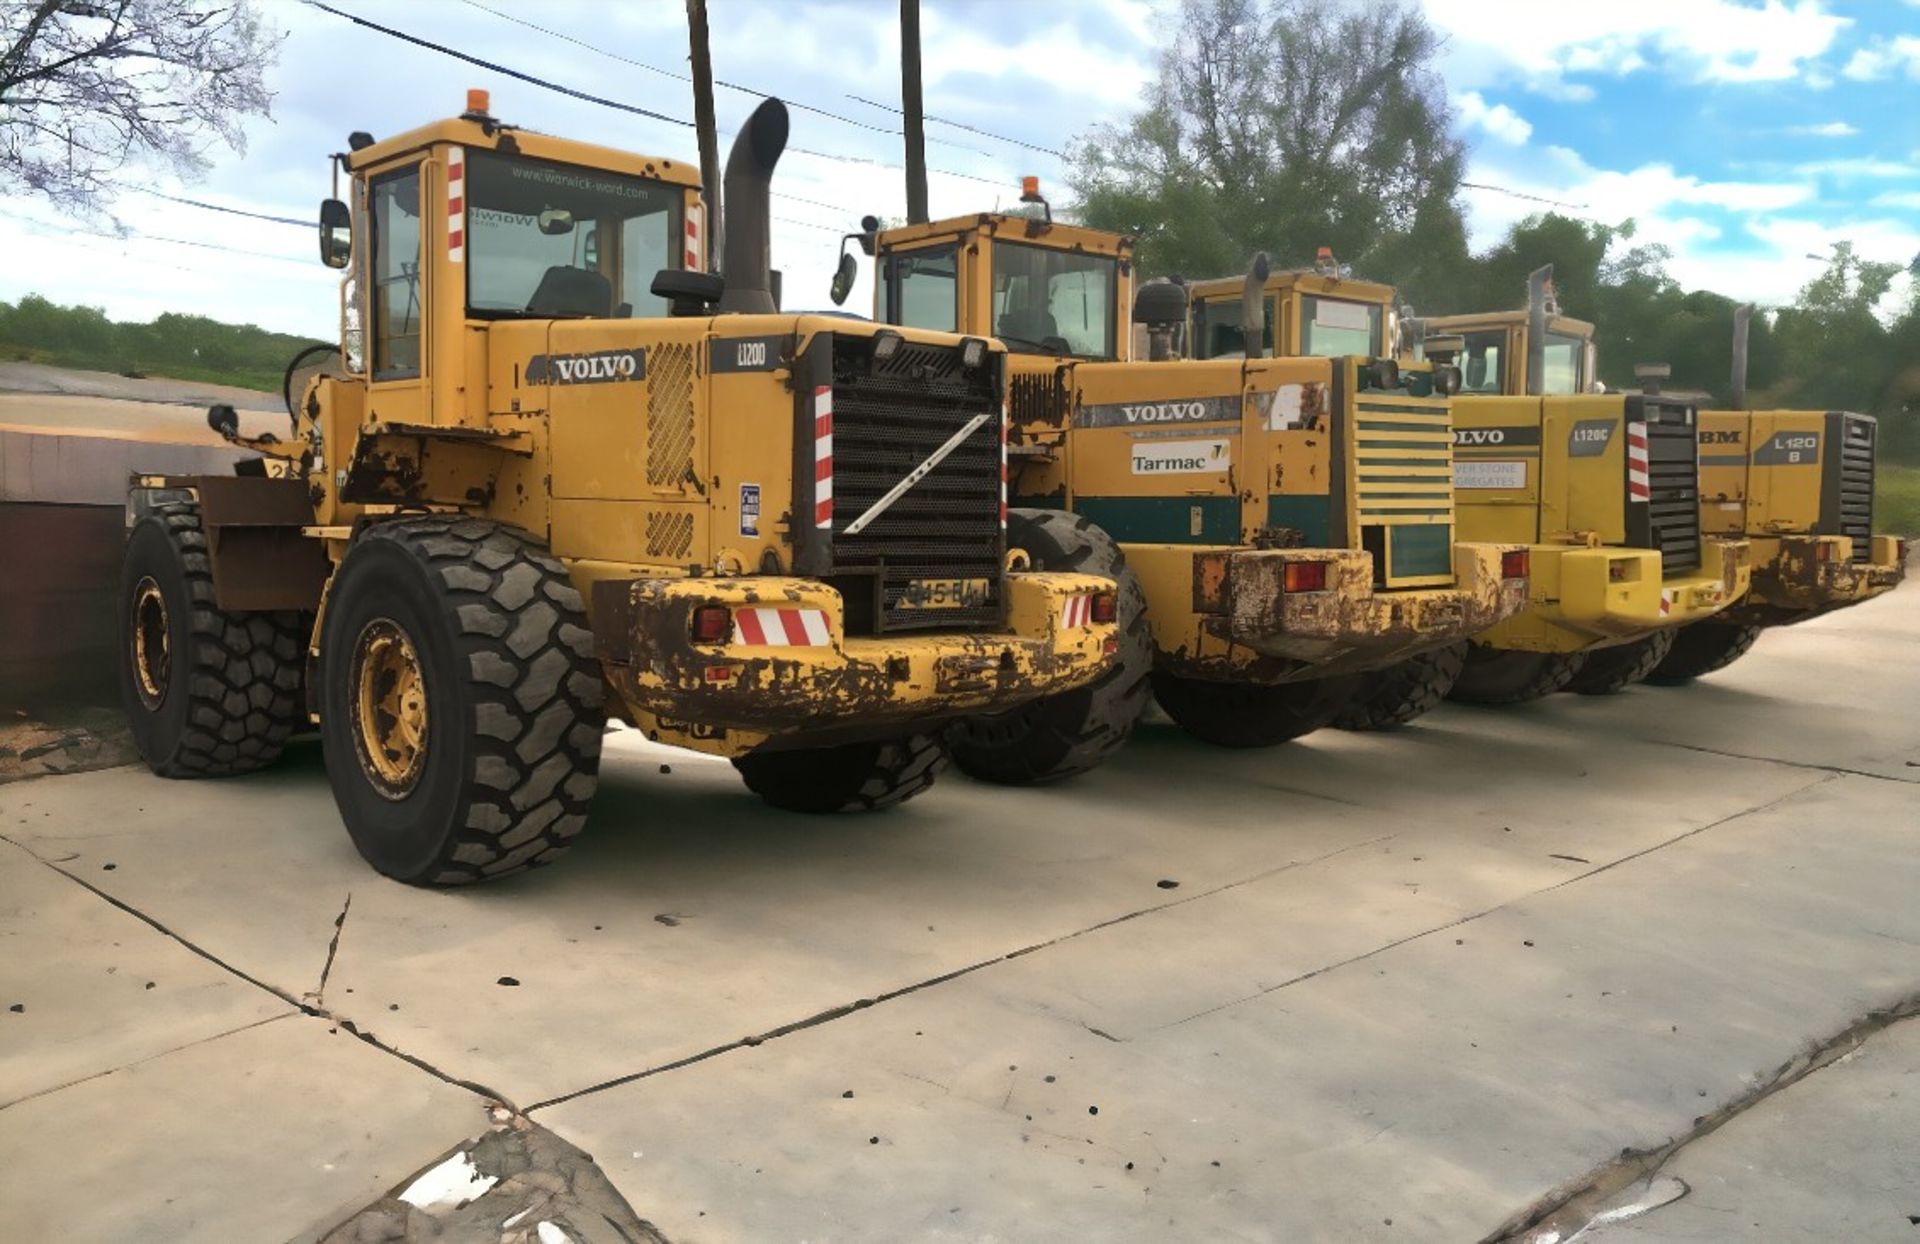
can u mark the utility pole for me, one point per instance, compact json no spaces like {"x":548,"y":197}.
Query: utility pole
{"x":704,"y":127}
{"x":912,"y":108}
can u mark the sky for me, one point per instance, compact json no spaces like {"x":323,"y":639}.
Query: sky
{"x":1747,"y":135}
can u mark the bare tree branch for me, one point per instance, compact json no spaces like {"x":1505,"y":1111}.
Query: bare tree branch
{"x":89,"y":88}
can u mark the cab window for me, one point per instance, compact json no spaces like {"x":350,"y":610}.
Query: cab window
{"x":1217,"y":331}
{"x":558,"y":241}
{"x":395,"y":202}
{"x":921,"y":289}
{"x":1561,"y":365}
{"x":1482,"y":365}
{"x":1053,"y":301}
{"x":1331,"y":327}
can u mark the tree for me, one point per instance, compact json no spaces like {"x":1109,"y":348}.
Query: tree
{"x":88,"y":87}
{"x":1286,"y":125}
{"x":1833,"y":346}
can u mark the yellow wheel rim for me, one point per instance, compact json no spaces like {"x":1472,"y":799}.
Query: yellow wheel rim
{"x":389,"y":708}
{"x":152,"y":652}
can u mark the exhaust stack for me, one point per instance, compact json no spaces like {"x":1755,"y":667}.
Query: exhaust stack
{"x":1253,"y":307}
{"x":748,"y":261}
{"x":1539,"y":292}
{"x":1742,"y":317}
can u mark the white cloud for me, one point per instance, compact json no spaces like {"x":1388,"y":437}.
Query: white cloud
{"x":1899,"y":198}
{"x":1884,"y":57}
{"x":1497,"y":120}
{"x":1829,"y":129}
{"x":1856,"y":167}
{"x":1538,"y":45}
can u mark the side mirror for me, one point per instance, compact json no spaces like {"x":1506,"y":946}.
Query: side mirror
{"x":869,"y":234}
{"x":555,"y":221}
{"x":336,"y":234}
{"x":222,"y":419}
{"x":843,"y":278}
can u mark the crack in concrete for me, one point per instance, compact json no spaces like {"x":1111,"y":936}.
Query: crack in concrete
{"x":333,"y":948}
{"x":145,"y":1058}
{"x":839,"y":1012}
{"x":312,"y":1010}
{"x":1797,"y":764}
{"x":1471,"y":917}
{"x":1565,"y":1211}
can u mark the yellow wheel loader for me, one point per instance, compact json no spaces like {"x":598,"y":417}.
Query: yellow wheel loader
{"x":560,"y":473}
{"x":1796,"y":485}
{"x":1557,"y":479}
{"x":1281,"y":527}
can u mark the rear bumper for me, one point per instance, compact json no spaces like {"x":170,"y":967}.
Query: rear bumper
{"x":1583,"y":597}
{"x":789,"y":669}
{"x":1796,"y":577}
{"x":1348,"y":625}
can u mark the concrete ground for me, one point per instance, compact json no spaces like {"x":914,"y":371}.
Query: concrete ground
{"x":1426,"y":986}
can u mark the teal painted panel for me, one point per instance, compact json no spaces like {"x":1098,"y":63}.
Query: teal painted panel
{"x":1420,"y":551}
{"x":1164,"y":520}
{"x":1312,"y":516}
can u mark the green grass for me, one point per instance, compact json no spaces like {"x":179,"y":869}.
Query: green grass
{"x":1896,"y":499}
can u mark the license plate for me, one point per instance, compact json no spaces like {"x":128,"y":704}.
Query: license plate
{"x":945,"y":593}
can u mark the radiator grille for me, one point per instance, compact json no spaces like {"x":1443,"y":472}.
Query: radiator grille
{"x":888,"y":417}
{"x":1671,"y":518}
{"x":1403,"y":486}
{"x":670,"y":415}
{"x":1856,"y":435}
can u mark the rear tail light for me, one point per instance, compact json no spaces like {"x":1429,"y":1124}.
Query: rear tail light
{"x":1305,"y":577}
{"x":1513,"y":565}
{"x":1106,"y":607}
{"x":712,"y":624}
{"x":1617,"y":571}
{"x":1823,"y":552}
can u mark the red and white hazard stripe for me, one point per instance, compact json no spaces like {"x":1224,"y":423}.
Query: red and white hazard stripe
{"x":823,"y":457}
{"x":696,"y":223}
{"x":1639,"y":482}
{"x":1077,"y":611}
{"x":755,"y":627}
{"x":456,"y":204}
{"x":1004,"y":418}
{"x":1666,"y":601}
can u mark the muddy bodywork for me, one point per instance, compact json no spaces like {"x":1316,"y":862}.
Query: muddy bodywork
{"x":1590,"y":597}
{"x":1225,"y":613}
{"x":1800,"y":577}
{"x":746,"y":693}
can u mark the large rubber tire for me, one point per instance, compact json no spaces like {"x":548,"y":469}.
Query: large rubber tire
{"x":851,"y":777}
{"x":1608,"y":670}
{"x":1499,"y":676}
{"x":221,"y":693}
{"x":1702,"y":648}
{"x":1392,"y":697}
{"x":513,"y":700}
{"x":1239,"y":714}
{"x":1060,"y":735}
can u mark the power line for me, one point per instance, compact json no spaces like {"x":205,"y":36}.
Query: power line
{"x":610,"y":103}
{"x":498,"y":68}
{"x":958,"y":125}
{"x":235,"y":211}
{"x":1531,"y":198}
{"x":736,"y":86}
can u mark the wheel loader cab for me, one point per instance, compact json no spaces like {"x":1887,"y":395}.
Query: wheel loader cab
{"x":1044,"y":288}
{"x":1494,"y":360}
{"x":1306,"y":313}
